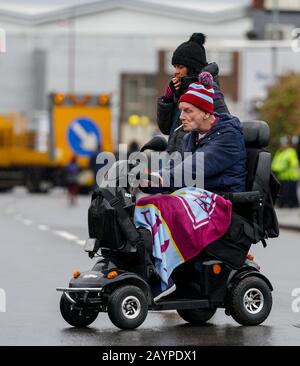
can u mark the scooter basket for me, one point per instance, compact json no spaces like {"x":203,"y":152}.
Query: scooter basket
{"x":103,"y":223}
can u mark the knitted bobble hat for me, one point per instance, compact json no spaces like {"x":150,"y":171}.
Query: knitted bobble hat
{"x":201,"y":94}
{"x":191,"y":53}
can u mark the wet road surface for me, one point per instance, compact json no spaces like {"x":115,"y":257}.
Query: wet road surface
{"x":42,"y":244}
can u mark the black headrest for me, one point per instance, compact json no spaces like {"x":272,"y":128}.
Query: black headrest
{"x":256,"y":133}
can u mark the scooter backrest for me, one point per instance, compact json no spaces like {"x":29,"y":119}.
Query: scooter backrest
{"x":256,"y":134}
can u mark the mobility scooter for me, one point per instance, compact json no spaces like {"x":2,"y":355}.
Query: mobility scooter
{"x":224,"y":275}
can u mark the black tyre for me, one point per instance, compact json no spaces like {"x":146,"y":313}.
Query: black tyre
{"x":250,"y":301}
{"x":75,"y":317}
{"x":127,"y":307}
{"x":196,"y":316}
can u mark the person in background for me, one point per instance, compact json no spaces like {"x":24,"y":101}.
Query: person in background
{"x":133,"y":147}
{"x":298,"y":146}
{"x":285,"y":165}
{"x":189,"y":59}
{"x":72,"y":173}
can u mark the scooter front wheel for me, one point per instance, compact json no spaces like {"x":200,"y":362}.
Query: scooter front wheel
{"x":127,"y":307}
{"x":79,"y":318}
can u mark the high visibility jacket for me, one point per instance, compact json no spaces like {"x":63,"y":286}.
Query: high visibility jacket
{"x":286,"y":164}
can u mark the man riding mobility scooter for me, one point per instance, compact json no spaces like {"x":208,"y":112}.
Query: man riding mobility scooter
{"x":224,"y":275}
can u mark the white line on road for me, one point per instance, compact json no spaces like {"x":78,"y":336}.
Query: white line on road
{"x":66,"y":235}
{"x":43,"y":227}
{"x":63,"y":234}
{"x":70,"y":237}
{"x":81,"y":242}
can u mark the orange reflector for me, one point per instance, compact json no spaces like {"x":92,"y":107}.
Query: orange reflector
{"x":103,"y":100}
{"x":112,"y":275}
{"x":59,"y":98}
{"x":250,"y":257}
{"x":76,"y":274}
{"x":217,"y":269}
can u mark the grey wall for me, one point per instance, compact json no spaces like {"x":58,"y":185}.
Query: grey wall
{"x":34,"y":66}
{"x":16,"y":70}
{"x":262,"y":17}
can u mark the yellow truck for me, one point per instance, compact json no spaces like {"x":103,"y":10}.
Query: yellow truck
{"x":77,"y":125}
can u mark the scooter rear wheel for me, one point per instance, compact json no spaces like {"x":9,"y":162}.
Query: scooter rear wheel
{"x":196,"y":316}
{"x":127,"y":307}
{"x":75,"y":317}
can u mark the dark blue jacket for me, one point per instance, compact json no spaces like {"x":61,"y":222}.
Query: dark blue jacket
{"x":224,"y":155}
{"x":168,"y":112}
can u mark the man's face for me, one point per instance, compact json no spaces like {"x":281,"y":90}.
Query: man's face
{"x":194,"y":119}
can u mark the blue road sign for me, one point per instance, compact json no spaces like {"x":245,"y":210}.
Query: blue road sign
{"x":84,"y":136}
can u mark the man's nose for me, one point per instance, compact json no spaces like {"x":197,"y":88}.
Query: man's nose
{"x":182,"y":117}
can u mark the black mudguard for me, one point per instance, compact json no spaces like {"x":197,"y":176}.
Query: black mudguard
{"x":249,"y":271}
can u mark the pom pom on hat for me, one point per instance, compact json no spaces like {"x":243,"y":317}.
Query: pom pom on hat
{"x":198,"y":38}
{"x":206,"y":78}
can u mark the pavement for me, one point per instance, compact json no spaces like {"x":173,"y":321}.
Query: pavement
{"x":289,"y":218}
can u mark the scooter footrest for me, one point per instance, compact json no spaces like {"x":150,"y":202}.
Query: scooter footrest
{"x":181,"y":304}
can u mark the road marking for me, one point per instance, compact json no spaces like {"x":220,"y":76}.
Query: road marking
{"x":81,"y":242}
{"x":2,"y":301}
{"x":63,"y":234}
{"x":43,"y":227}
{"x":70,"y":237}
{"x":66,"y":235}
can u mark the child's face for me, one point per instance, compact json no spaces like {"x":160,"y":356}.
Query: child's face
{"x":180,"y":71}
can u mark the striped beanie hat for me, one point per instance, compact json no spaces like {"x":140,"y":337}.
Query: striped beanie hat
{"x":201,"y":93}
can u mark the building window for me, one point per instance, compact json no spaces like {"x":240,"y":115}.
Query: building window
{"x":223,"y":59}
{"x":285,"y":5}
{"x":138,"y":98}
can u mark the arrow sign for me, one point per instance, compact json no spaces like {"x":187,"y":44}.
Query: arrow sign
{"x":83,"y":136}
{"x":88,"y":139}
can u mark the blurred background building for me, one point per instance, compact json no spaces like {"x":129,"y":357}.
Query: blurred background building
{"x":122,"y":49}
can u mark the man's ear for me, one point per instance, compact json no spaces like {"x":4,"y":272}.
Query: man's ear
{"x":206,"y":115}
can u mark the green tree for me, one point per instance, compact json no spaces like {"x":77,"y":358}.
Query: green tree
{"x":281,"y":108}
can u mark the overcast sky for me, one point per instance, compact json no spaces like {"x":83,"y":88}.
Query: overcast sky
{"x":71,"y":2}
{"x":33,"y":6}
